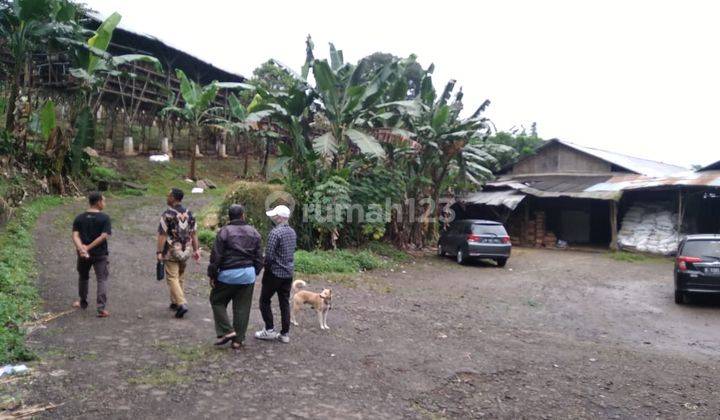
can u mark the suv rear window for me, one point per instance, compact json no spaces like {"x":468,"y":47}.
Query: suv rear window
{"x":700,"y":248}
{"x":497,"y":230}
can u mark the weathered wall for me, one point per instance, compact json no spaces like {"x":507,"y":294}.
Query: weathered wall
{"x":561,"y":159}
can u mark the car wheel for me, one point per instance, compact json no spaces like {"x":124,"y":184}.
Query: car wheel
{"x":501,"y":262}
{"x":679,"y":297}
{"x":460,"y":257}
{"x":440,"y":251}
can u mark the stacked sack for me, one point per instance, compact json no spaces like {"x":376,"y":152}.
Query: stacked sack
{"x":649,"y":228}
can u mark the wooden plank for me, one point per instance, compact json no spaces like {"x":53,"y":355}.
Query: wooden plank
{"x":613,"y":225}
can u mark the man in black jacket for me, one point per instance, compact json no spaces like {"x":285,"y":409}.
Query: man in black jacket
{"x":236,"y":259}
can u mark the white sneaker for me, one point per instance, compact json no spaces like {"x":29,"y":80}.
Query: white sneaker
{"x":266,"y":335}
{"x":284,"y":338}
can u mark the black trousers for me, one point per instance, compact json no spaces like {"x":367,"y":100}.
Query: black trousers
{"x":270,"y":286}
{"x":100,"y":264}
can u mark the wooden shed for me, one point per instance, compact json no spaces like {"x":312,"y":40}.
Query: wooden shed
{"x":560,"y":201}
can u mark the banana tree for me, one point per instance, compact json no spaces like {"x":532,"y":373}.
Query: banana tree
{"x":30,"y":26}
{"x":239,"y":119}
{"x":197,"y":109}
{"x":292,"y":113}
{"x":450,"y":154}
{"x":346,"y":97}
{"x":92,"y":67}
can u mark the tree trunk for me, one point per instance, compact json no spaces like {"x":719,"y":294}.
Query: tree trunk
{"x":172,"y":137}
{"x":246,"y":158}
{"x":265,"y":158}
{"x":12,"y":100}
{"x":193,"y":151}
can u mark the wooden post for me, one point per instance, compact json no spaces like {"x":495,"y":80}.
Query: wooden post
{"x":613,"y":225}
{"x":680,"y":214}
{"x":526,"y":223}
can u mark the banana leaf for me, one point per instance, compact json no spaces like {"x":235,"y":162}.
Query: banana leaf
{"x":326,"y":145}
{"x":366,"y":143}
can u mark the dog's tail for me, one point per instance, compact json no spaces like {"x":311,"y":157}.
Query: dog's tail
{"x":298,"y":285}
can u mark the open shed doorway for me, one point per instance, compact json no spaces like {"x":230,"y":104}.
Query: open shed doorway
{"x":577,"y":221}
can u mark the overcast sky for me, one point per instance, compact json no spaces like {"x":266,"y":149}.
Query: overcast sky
{"x":635,"y":77}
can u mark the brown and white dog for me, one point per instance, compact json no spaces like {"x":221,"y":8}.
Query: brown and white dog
{"x":321,"y":302}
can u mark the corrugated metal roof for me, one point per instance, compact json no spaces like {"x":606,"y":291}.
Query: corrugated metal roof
{"x":558,"y":189}
{"x":508,"y":198}
{"x":593,"y":187}
{"x":711,"y":167}
{"x":123,"y":26}
{"x":639,"y":182}
{"x":633,"y":164}
{"x":560,"y":183}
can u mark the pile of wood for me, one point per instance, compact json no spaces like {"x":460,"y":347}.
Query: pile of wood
{"x":539,"y":228}
{"x":550,"y":239}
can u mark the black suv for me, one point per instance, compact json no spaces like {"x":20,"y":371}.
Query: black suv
{"x":697,"y":266}
{"x":468,"y":239}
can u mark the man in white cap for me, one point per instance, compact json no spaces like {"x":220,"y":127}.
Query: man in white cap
{"x":278,"y":276}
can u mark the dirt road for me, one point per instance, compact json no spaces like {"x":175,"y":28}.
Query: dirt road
{"x":554,"y":334}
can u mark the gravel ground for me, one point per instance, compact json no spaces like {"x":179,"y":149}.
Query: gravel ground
{"x":553,"y":334}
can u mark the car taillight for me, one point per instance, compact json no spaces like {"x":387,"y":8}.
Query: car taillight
{"x":682,"y":262}
{"x":473,"y":238}
{"x":506,"y":239}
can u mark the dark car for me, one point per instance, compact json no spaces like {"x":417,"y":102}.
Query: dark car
{"x":475,"y":239}
{"x":697,"y":266}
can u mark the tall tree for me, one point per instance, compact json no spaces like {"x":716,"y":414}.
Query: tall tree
{"x":412,"y":73}
{"x":524,"y":144}
{"x":273,"y":76}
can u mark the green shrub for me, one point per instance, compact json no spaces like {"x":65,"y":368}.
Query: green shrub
{"x":101,"y":173}
{"x":252,"y":196}
{"x":206,"y":238}
{"x":18,"y":296}
{"x":341,"y":261}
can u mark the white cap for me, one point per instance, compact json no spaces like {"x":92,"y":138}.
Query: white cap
{"x":281,"y":211}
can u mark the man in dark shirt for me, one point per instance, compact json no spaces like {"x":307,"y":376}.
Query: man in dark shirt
{"x":277,"y":278}
{"x":91,"y":230}
{"x":177,"y":241}
{"x":235,"y":261}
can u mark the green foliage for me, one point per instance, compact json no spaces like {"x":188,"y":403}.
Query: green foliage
{"x":273,"y":77}
{"x":524,"y":144}
{"x":412,"y":73}
{"x":376,"y":189}
{"x":329,"y":205}
{"x":92,"y":61}
{"x":42,"y":121}
{"x":206,"y":238}
{"x":18,"y":296}
{"x":341,"y":261}
{"x":84,"y":137}
{"x":252,"y":195}
{"x":101,"y":173}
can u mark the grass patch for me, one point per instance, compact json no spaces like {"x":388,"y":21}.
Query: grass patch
{"x":387,"y":250}
{"x":340,"y":261}
{"x":18,"y":295}
{"x":176,"y":373}
{"x":628,"y":257}
{"x":159,"y":377}
{"x":161,"y":177}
